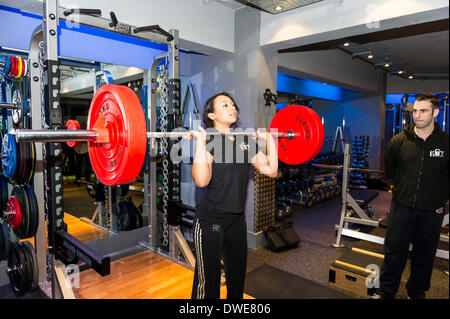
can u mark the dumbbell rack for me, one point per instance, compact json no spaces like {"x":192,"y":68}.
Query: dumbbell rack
{"x":360,"y":154}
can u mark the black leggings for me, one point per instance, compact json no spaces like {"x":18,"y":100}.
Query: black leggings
{"x":215,"y":240}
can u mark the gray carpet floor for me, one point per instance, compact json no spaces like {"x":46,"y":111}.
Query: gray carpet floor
{"x":314,"y":254}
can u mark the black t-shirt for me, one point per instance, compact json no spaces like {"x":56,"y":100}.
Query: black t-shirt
{"x":227,"y":190}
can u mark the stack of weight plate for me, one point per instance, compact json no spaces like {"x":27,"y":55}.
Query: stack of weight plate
{"x":18,"y":160}
{"x":22,"y":268}
{"x":4,"y":240}
{"x":128,"y":217}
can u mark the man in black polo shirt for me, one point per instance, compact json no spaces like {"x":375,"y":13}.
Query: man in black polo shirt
{"x":417,"y":161}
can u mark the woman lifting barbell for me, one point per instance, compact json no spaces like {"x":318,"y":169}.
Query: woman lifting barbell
{"x":219,"y":226}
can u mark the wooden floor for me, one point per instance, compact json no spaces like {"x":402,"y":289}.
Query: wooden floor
{"x":145,"y":275}
{"x":79,"y":229}
{"x":82,"y":230}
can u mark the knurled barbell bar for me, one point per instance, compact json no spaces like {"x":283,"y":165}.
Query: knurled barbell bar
{"x":117,"y":135}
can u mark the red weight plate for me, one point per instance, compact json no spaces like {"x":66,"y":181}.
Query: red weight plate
{"x":117,"y":109}
{"x":73,"y":125}
{"x":300,"y":121}
{"x":320,"y":129}
{"x":16,"y":67}
{"x":12,"y":67}
{"x":13,"y":206}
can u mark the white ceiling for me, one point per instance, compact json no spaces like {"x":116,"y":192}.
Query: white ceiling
{"x":426,"y":54}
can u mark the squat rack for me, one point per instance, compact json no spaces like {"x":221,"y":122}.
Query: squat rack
{"x":47,"y":113}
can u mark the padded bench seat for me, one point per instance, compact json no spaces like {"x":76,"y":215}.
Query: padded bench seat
{"x":364,"y":197}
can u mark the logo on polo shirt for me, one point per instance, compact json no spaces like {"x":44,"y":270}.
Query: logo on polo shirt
{"x":437,"y":153}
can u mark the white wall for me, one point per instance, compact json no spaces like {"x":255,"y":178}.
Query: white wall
{"x":332,"y":66}
{"x":335,"y":19}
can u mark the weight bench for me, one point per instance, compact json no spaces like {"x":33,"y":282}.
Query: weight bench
{"x":364,"y":197}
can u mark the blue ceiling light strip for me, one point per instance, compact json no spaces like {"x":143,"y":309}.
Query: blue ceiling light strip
{"x":290,"y":84}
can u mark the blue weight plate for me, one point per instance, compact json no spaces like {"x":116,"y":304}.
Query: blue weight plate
{"x":9,"y":155}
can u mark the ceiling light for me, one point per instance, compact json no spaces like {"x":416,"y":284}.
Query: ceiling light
{"x":278,"y":8}
{"x":346,"y":44}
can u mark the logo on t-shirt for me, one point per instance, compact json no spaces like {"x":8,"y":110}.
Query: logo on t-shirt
{"x":437,"y":153}
{"x":244,"y":146}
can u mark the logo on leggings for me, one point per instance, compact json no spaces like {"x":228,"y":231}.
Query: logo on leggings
{"x":216,"y":228}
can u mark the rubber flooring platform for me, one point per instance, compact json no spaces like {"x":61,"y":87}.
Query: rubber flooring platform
{"x":267,"y":282}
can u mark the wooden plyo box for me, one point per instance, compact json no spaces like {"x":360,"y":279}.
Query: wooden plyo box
{"x":357,"y":271}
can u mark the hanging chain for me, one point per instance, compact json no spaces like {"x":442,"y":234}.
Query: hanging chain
{"x":163,"y":90}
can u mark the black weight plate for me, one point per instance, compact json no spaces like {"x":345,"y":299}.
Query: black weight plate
{"x":18,"y":175}
{"x":131,"y":214}
{"x":28,"y":266}
{"x":5,"y":227}
{"x":4,"y":187}
{"x":3,"y":254}
{"x":33,"y":258}
{"x":91,"y":190}
{"x":138,"y":214}
{"x":17,"y":271}
{"x":140,"y":222}
{"x":18,"y":161}
{"x":31,"y":221}
{"x":134,"y":213}
{"x":25,"y":162}
{"x":14,"y":272}
{"x":122,"y":218}
{"x":32,"y":161}
{"x":125,"y":216}
{"x":34,"y":210}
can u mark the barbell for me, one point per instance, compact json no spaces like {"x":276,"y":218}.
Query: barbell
{"x":117,"y":135}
